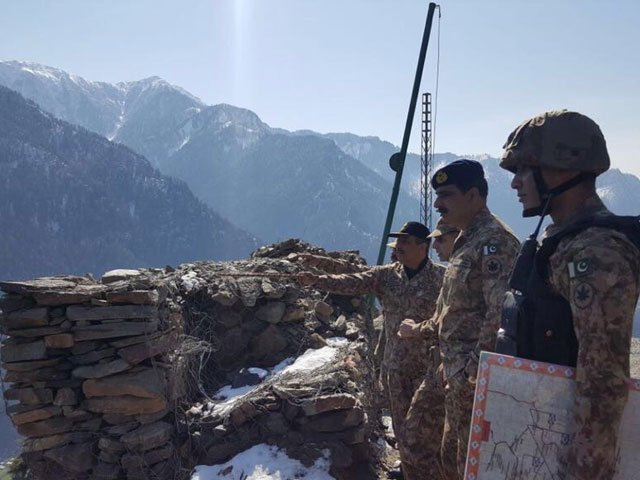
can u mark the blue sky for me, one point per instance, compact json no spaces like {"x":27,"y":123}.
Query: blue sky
{"x":348,"y":65}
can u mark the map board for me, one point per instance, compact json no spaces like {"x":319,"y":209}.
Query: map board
{"x":522,"y":418}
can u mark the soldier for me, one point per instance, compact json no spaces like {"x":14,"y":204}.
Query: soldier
{"x":586,"y":273}
{"x":407,"y":288}
{"x":443,"y":237}
{"x":468,"y":310}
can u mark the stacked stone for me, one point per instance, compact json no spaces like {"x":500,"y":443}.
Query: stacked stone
{"x":258,"y":321}
{"x":87,"y":365}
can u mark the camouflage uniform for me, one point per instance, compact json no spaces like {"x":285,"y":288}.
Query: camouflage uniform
{"x":406,"y":361}
{"x":597,"y":271}
{"x":468,"y":316}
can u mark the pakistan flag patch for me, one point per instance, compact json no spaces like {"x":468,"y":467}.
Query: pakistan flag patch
{"x":490,"y":249}
{"x":581,"y":268}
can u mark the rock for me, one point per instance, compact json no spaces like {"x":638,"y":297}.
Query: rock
{"x":92,"y":357}
{"x":33,"y":317}
{"x":356,"y":302}
{"x":118,"y":430}
{"x":352,"y":331}
{"x":135,"y":354}
{"x":74,"y":458}
{"x":83,"y":347}
{"x":38,"y":331}
{"x":124,"y":405}
{"x":146,"y":418}
{"x":110,"y":445}
{"x":10,"y":303}
{"x":333,"y":421}
{"x":148,"y":437}
{"x":245,"y":377}
{"x":317,"y":341}
{"x":340,"y":325}
{"x":92,"y":425}
{"x":326,"y":403}
{"x":136,"y":297}
{"x":275,"y":424}
{"x":80,"y":294}
{"x":114,"y":330}
{"x":324,"y":309}
{"x":156,"y":456}
{"x":229,"y":319}
{"x":76,"y":414}
{"x":144,"y":384}
{"x":66,"y":397}
{"x":28,"y":366}
{"x":29,"y":396}
{"x":272,"y":291}
{"x":225,"y":297}
{"x":293,"y":315}
{"x":45,"y":443}
{"x":35,"y":415}
{"x":120,"y":274}
{"x":26,"y":288}
{"x":23,"y":351}
{"x":40,"y":375}
{"x":271,"y":312}
{"x":101,"y":370}
{"x":50,"y":426}
{"x":105,"y":470}
{"x":125,"y":342}
{"x":269,"y":342}
{"x":62,"y":340}
{"x":121,"y":312}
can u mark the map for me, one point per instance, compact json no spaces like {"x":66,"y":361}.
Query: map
{"x":521,"y":427}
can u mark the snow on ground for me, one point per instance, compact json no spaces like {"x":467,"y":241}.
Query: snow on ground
{"x":264,"y":462}
{"x":309,"y":360}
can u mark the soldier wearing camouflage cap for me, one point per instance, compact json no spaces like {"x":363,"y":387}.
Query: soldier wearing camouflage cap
{"x":574,"y":296}
{"x":443,"y":237}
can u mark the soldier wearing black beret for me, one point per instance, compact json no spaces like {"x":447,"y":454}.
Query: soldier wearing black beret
{"x":468,"y":311}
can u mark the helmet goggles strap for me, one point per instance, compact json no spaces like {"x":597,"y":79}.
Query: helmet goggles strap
{"x":546,"y":194}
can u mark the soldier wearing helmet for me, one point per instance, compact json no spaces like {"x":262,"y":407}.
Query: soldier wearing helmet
{"x":573,"y":297}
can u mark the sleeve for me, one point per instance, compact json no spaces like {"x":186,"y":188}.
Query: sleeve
{"x":368,"y":281}
{"x":602,"y":289}
{"x":497,"y":258}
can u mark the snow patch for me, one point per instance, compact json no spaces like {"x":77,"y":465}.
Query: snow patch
{"x":190,"y":281}
{"x":265,"y":462}
{"x":312,"y":359}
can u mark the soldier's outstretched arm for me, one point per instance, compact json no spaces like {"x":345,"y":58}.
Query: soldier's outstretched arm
{"x":601,"y":286}
{"x":368,"y":281}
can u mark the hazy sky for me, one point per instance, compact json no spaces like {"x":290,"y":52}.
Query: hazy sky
{"x":348,"y":65}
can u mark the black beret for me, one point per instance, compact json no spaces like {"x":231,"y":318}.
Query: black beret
{"x":461,"y":173}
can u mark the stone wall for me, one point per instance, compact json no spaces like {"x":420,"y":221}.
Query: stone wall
{"x":87,"y":368}
{"x":122,"y":378}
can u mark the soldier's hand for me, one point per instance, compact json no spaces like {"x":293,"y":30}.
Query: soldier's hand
{"x":306,"y":279}
{"x":409,"y":329}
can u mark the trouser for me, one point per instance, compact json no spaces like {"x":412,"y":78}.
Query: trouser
{"x":458,"y":405}
{"x":424,"y":429}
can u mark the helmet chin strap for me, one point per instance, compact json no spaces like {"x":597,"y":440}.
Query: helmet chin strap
{"x":546,"y":194}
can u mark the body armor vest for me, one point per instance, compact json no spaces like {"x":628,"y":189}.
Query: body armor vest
{"x":537,"y":323}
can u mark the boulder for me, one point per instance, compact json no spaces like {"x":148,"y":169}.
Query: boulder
{"x":125,"y":405}
{"x":143,"y":384}
{"x":271,"y":312}
{"x":148,"y":437}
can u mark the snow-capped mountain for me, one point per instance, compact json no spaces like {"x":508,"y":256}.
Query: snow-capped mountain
{"x":268,"y":181}
{"x":74,"y":202}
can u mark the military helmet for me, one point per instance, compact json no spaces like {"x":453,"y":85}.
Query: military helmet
{"x":558,"y":139}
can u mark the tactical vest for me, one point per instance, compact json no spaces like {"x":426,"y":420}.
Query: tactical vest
{"x":537,"y":323}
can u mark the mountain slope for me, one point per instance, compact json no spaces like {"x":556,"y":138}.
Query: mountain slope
{"x":74,"y":202}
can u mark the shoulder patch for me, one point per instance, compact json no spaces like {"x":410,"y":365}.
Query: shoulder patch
{"x":490,"y":249}
{"x":581,"y":268}
{"x":492,"y":266}
{"x":583,"y":295}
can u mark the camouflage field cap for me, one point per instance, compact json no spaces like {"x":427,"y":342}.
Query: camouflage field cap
{"x":558,"y":139}
{"x":443,"y":228}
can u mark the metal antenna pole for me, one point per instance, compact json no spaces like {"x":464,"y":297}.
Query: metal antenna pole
{"x":397,"y":159}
